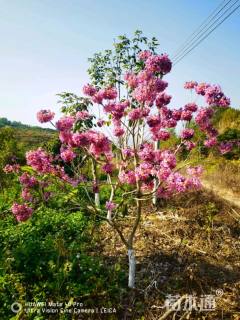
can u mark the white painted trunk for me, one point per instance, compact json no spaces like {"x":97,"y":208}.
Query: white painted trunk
{"x":109,"y":215}
{"x":132,"y":268}
{"x":97,"y":199}
{"x":154,"y":199}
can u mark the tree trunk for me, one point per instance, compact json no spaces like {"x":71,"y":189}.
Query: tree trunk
{"x":97,"y":199}
{"x":132,"y":268}
{"x":109,"y":215}
{"x":131,"y":253}
{"x":154,"y":199}
{"x":96,"y":188}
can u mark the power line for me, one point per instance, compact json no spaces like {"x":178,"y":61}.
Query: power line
{"x":202,"y":39}
{"x":198,"y":36}
{"x":199,"y":29}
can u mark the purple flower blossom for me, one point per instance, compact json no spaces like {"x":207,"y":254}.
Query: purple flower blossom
{"x":21,"y":211}
{"x":110,"y":206}
{"x":187,"y":133}
{"x":45,"y":116}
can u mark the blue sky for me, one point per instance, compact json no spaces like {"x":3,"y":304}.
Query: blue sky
{"x":45,"y":45}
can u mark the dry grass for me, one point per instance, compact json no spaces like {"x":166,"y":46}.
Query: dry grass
{"x":190,"y":246}
{"x":225,"y":174}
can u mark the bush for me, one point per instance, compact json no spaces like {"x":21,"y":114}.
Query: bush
{"x":10,"y":153}
{"x":48,"y":258}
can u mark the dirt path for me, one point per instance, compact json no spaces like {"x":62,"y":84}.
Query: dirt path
{"x":222,"y":193}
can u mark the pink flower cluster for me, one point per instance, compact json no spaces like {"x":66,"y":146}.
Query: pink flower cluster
{"x":211,"y":142}
{"x":27,"y":181}
{"x":66,"y":137}
{"x":186,"y":113}
{"x":189,"y":145}
{"x":65,"y":123}
{"x":21,"y":211}
{"x":147,"y":86}
{"x":108,"y":167}
{"x":98,"y":95}
{"x":117,"y":110}
{"x":118,"y":131}
{"x":144,"y":55}
{"x":144,"y":171}
{"x":146,"y":91}
{"x":201,"y":88}
{"x":203,"y":118}
{"x":190,"y":85}
{"x":67,"y":155}
{"x":195,"y":171}
{"x":89,"y":90}
{"x":83,"y":115}
{"x":162,"y":135}
{"x":161,"y":164}
{"x":40,"y":161}
{"x":80,"y":139}
{"x":214,"y":96}
{"x":213,"y":93}
{"x":152,"y":164}
{"x":45,"y":116}
{"x":128,"y":152}
{"x":127,"y":177}
{"x":98,"y":144}
{"x":225,"y":147}
{"x":177,"y":183}
{"x":162,"y":99}
{"x":165,"y":118}
{"x":11,"y":168}
{"x":135,"y":114}
{"x":191,"y":107}
{"x":159,"y":64}
{"x":110,"y":206}
{"x":187,"y":134}
{"x":26,"y":195}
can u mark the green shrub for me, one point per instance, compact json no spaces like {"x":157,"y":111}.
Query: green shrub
{"x":10,"y":153}
{"x":49,"y":257}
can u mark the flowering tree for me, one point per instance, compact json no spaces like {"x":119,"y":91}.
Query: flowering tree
{"x":129,"y":114}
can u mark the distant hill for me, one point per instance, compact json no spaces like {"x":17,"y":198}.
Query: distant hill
{"x":29,"y":136}
{"x":228,"y":118}
{"x":17,"y":124}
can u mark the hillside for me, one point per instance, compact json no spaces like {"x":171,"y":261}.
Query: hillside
{"x":227,"y":119}
{"x":28,"y":136}
{"x":19,"y":125}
